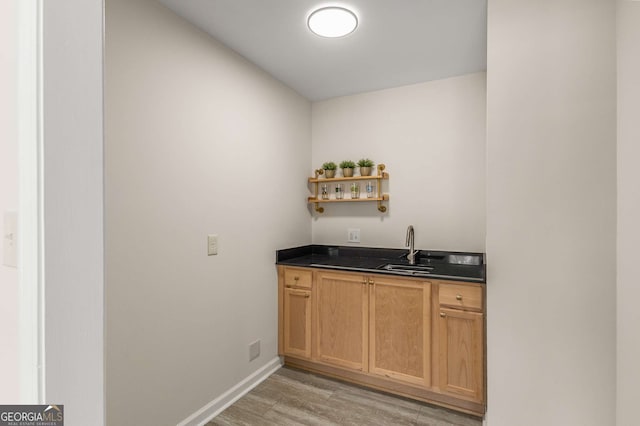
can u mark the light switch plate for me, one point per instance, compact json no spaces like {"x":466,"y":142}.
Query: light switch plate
{"x":353,"y":235}
{"x":212,"y":244}
{"x":10,"y":239}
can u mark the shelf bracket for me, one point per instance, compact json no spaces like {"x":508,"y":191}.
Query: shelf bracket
{"x":381,"y":208}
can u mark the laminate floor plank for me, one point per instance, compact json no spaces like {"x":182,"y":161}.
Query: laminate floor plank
{"x":324,"y":410}
{"x":234,"y":416}
{"x":365,"y":406}
{"x":255,"y":403}
{"x":304,"y":414}
{"x":295,"y":397}
{"x":313,"y":379}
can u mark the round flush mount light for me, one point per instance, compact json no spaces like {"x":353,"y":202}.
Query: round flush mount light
{"x":332,"y":21}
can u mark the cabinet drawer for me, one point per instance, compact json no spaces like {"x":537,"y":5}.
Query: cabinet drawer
{"x":461,"y":296}
{"x":297,"y":278}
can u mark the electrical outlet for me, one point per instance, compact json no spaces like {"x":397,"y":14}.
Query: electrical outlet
{"x":212,"y":244}
{"x":254,"y":350}
{"x":353,"y":235}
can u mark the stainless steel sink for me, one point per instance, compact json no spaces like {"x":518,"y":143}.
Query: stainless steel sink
{"x":407,"y":269}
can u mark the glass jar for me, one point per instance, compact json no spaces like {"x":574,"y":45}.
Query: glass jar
{"x":355,"y":190}
{"x":369,"y":189}
{"x":324,"y":190}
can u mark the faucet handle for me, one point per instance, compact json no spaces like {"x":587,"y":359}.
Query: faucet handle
{"x":412,"y":255}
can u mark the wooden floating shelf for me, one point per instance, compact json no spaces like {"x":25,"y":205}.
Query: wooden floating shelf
{"x":316,"y":181}
{"x":384,"y":175}
{"x":385,"y":197}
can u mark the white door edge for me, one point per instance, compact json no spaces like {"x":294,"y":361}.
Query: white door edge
{"x":31,"y":218}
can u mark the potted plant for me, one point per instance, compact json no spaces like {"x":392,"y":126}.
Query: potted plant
{"x":347,"y":168}
{"x":365,"y":166}
{"x":330,"y":169}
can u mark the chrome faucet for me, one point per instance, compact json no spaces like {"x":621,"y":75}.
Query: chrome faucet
{"x":410,"y":242}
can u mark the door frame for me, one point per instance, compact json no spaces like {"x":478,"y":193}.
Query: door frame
{"x":30,"y":204}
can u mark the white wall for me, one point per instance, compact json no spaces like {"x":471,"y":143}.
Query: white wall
{"x":551,"y":212}
{"x":628,"y":290}
{"x":198,"y":141}
{"x":431,"y":137}
{"x":73,"y":220}
{"x":9,"y":384}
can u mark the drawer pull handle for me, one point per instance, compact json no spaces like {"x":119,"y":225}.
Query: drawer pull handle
{"x":458,"y":297}
{"x":442,"y":314}
{"x":296,"y":278}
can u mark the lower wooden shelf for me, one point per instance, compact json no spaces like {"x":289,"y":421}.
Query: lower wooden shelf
{"x":379,"y":200}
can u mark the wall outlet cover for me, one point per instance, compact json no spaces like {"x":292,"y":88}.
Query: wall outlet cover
{"x":353,"y":235}
{"x":254,"y":350}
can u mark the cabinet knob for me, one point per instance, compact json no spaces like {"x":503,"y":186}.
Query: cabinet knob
{"x":296,"y":278}
{"x":442,"y":314}
{"x":371,"y":282}
{"x":458,"y":297}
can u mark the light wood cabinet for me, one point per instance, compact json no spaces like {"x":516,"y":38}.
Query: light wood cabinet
{"x":460,"y":341}
{"x":460,"y":296}
{"x":297,"y":322}
{"x":400,"y":329}
{"x":342,"y":320}
{"x":295,"y":312}
{"x":296,"y":277}
{"x":409,"y":336}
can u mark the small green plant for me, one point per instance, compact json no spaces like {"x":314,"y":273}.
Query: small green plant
{"x":347,"y":165}
{"x":365,"y":162}
{"x":329,"y":166}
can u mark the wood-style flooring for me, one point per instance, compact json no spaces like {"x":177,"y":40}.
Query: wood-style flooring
{"x":293,"y":397}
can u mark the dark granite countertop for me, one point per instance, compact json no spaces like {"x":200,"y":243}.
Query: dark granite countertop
{"x":444,"y":265}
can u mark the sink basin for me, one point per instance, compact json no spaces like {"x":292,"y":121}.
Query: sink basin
{"x":407,"y":269}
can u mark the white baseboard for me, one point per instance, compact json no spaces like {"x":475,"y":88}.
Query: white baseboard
{"x":215,"y":407}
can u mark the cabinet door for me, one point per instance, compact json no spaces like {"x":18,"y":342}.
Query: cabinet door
{"x":400,"y":325}
{"x":341,"y":328}
{"x":297,"y":322}
{"x":461,"y":349}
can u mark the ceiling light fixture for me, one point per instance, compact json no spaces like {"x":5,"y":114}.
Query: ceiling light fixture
{"x":332,"y":21}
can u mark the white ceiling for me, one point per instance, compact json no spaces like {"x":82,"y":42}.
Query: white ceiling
{"x":397,"y":42}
